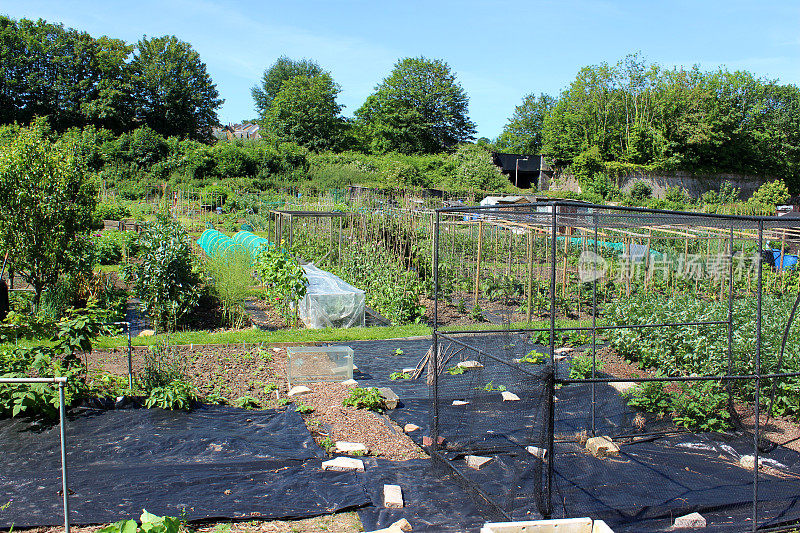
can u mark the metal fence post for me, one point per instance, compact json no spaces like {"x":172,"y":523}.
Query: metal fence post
{"x":63,"y":431}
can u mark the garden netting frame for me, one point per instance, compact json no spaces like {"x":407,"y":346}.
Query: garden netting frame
{"x":556,"y":220}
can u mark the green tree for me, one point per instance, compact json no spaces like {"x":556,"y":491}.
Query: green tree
{"x":476,"y":171}
{"x":47,"y":203}
{"x":418,"y":108}
{"x":174,"y":94}
{"x":272,"y":80}
{"x":305,"y":112}
{"x":772,"y":193}
{"x":523,"y":133}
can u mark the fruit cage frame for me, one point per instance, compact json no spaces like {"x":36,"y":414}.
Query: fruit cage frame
{"x":558,"y":221}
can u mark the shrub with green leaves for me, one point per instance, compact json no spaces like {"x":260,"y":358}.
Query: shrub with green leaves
{"x":150,"y":524}
{"x":650,"y":397}
{"x":177,"y":394}
{"x":166,"y":280}
{"x":283,"y":278}
{"x":581,"y":367}
{"x":702,"y":406}
{"x":364,"y":398}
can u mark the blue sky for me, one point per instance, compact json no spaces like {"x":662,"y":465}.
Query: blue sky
{"x":500,"y":50}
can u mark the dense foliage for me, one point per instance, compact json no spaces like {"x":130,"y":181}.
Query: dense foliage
{"x":272,"y":80}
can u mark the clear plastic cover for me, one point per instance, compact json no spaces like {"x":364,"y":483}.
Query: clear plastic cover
{"x":330,"y":302}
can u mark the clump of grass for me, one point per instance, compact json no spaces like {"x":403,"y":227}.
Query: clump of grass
{"x":232,"y":275}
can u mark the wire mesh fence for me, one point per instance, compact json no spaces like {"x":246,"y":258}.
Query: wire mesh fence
{"x":671,"y":334}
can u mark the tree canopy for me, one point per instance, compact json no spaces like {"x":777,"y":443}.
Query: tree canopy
{"x":418,"y":108}
{"x":523,"y":133}
{"x":305,"y":112}
{"x":271,"y":81}
{"x":174,"y":93}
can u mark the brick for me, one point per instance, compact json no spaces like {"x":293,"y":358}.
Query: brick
{"x":460,"y":402}
{"x":350,"y":382}
{"x":477,"y":462}
{"x":392,"y":497}
{"x":299,"y":390}
{"x":349,"y":447}
{"x":390,"y":398}
{"x":344,"y":464}
{"x":601,"y":447}
{"x":427,"y":441}
{"x":469,"y":364}
{"x":692,"y":520}
{"x":509,"y":396}
{"x":410,"y":428}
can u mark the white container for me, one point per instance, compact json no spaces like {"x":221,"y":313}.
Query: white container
{"x":311,"y":364}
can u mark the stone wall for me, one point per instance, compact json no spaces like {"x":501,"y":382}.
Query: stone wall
{"x":694,"y":184}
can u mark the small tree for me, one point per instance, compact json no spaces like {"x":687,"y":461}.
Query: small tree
{"x":773,"y":193}
{"x":271,"y":82}
{"x":166,"y":279}
{"x":47,"y":204}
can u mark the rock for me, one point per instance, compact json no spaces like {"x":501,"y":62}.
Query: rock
{"x":299,"y":390}
{"x":350,"y":382}
{"x":749,"y":461}
{"x":460,"y":402}
{"x":276,"y":350}
{"x":469,"y":364}
{"x":410,"y":428}
{"x":563,"y":351}
{"x":692,"y":520}
{"x":402,"y":525}
{"x":355,"y":368}
{"x":349,"y":447}
{"x":477,"y":462}
{"x":390,"y":399}
{"x":541,"y":453}
{"x":427,"y":441}
{"x":509,"y":396}
{"x":344,"y":464}
{"x":409,"y":370}
{"x":559,"y":357}
{"x":601,"y":447}
{"x":392,"y":497}
{"x":147,"y":333}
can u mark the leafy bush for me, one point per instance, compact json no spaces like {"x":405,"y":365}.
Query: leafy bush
{"x":110,"y":211}
{"x":702,"y":405}
{"x":364,"y":398}
{"x":581,"y":367}
{"x":177,"y":394}
{"x":641,"y":190}
{"x":165,"y":280}
{"x":772,"y":193}
{"x":282,"y":276}
{"x":650,"y":397}
{"x":246,"y":402}
{"x":110,"y":246}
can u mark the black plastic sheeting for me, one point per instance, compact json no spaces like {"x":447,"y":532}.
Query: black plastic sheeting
{"x":214,"y":462}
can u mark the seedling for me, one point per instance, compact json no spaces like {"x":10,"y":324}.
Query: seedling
{"x":399,"y":375}
{"x":455,"y":370}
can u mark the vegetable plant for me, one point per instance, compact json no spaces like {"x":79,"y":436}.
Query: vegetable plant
{"x":364,"y":398}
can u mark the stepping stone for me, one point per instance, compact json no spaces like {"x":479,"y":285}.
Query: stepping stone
{"x":469,"y":364}
{"x":427,"y":441}
{"x":350,"y":382}
{"x":509,"y":396}
{"x":401,"y":526}
{"x":344,"y":464}
{"x":392,"y":497}
{"x":390,"y":398}
{"x":276,"y":350}
{"x":477,"y":462}
{"x":623,"y":386}
{"x":349,"y":447}
{"x":460,"y":402}
{"x":564,"y":350}
{"x":749,"y":461}
{"x":409,"y":370}
{"x":541,"y":453}
{"x":601,"y":447}
{"x":299,"y":390}
{"x":559,"y":357}
{"x":692,"y":520}
{"x":146,"y":333}
{"x":410,"y":428}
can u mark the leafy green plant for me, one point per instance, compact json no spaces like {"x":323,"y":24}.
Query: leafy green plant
{"x":399,"y":375}
{"x":398,"y":351}
{"x":476,"y":313}
{"x":702,"y":405}
{"x":246,"y":402}
{"x":283,"y":277}
{"x":150,"y":524}
{"x":489,"y":387}
{"x":231,"y":275}
{"x":650,"y":397}
{"x":455,"y":370}
{"x":177,"y":394}
{"x":327,"y":443}
{"x":270,"y":387}
{"x":581,"y":367}
{"x":364,"y":398}
{"x":533,"y":357}
{"x":303,"y":408}
{"x":166,"y":280}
